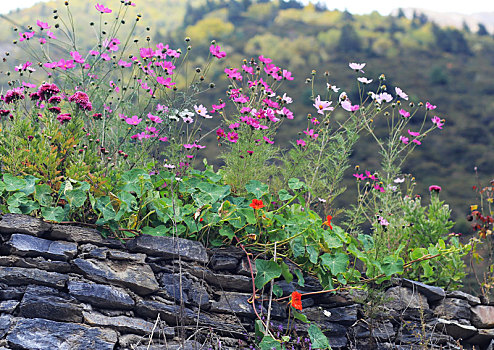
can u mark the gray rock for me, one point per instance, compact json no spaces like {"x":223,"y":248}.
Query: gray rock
{"x":45,"y":302}
{"x":431,"y":293}
{"x":132,"y":341}
{"x":472,"y":300}
{"x":170,"y":313}
{"x":169,"y":248}
{"x":80,"y":234}
{"x":198,"y":296}
{"x":120,"y":323}
{"x":224,"y":281}
{"x":8,"y":306}
{"x":18,"y":223}
{"x":101,"y":295}
{"x":235,"y":303}
{"x":176,"y":287}
{"x":483,"y":337}
{"x":187,"y":345}
{"x":243,"y":268}
{"x":10,"y":293}
{"x":401,"y":298}
{"x":5,"y":322}
{"x":18,"y":276}
{"x":337,"y":342}
{"x":483,"y":316}
{"x":455,"y":329}
{"x":120,"y":255}
{"x":35,"y":262}
{"x":92,"y":251}
{"x":453,"y":309}
{"x":346,"y":315}
{"x":25,"y":245}
{"x":138,"y":277}
{"x":40,"y":334}
{"x":222,"y":262}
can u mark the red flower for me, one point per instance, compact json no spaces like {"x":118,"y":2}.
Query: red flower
{"x":328,"y":221}
{"x":297,"y":300}
{"x":257,"y":204}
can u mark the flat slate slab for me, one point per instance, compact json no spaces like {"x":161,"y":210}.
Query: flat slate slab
{"x":8,"y":306}
{"x":40,"y":334}
{"x":101,"y":295}
{"x":121,"y":323}
{"x":137,"y":277}
{"x":432,"y":293}
{"x":82,"y":235}
{"x":169,"y":248}
{"x":25,"y":245}
{"x":18,"y":276}
{"x":18,"y":223}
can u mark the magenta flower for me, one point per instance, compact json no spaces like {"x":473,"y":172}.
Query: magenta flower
{"x":413,"y":133}
{"x":77,"y":57}
{"x":232,"y":137}
{"x":42,"y":41}
{"x":315,"y":121}
{"x":14,"y":95}
{"x":435,"y":188}
{"x":51,"y":35}
{"x":134,"y":120}
{"x":347,"y":105}
{"x":370,"y":176}
{"x":287,"y":75}
{"x":404,"y":139}
{"x":379,"y":188}
{"x":267,"y":140}
{"x":64,"y":65}
{"x":357,"y":66}
{"x":220,"y":132}
{"x":360,"y":176}
{"x":301,"y":143}
{"x":404,"y":113}
{"x":26,"y":35}
{"x":28,"y":85}
{"x":234,"y":126}
{"x":64,"y":118}
{"x":429,"y":106}
{"x":165,"y":82}
{"x":417,"y":142}
{"x":233,"y":73}
{"x":102,"y":8}
{"x":217,"y":107}
{"x":436,"y":120}
{"x":311,"y":133}
{"x":216,"y":51}
{"x":248,"y":69}
{"x":400,"y":93}
{"x":43,"y":25}
{"x":322,"y":106}
{"x":364,"y":80}
{"x":155,"y":118}
{"x":265,"y":60}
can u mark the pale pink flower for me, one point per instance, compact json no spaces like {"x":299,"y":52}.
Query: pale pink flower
{"x":400,"y":93}
{"x":357,"y":66}
{"x":134,"y":120}
{"x":322,"y":106}
{"x":265,"y":60}
{"x":404,"y":139}
{"x":43,"y":25}
{"x":436,"y":120}
{"x":364,"y":80}
{"x":332,"y":87}
{"x":155,"y":118}
{"x":51,"y":35}
{"x":430,"y":106}
{"x":383,"y":96}
{"x":347,"y":105}
{"x":77,"y":56}
{"x":102,"y":8}
{"x":287,"y":75}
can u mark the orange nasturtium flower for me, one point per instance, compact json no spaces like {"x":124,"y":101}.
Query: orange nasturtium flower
{"x":328,"y":221}
{"x":297,"y":300}
{"x":257,"y":204}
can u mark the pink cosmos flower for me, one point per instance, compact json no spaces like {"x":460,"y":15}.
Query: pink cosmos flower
{"x":25,"y":66}
{"x":216,"y":51}
{"x":26,"y":35}
{"x":404,"y":113}
{"x":64,"y":65}
{"x":404,"y":139}
{"x":202,"y":111}
{"x":315,"y":121}
{"x":311,"y":133}
{"x":370,"y":176}
{"x":360,"y":176}
{"x":379,"y":188}
{"x":155,"y":118}
{"x":286,"y":99}
{"x":413,"y":133}
{"x":357,"y":66}
{"x":218,"y":107}
{"x":399,"y":180}
{"x":429,"y":106}
{"x":287,"y":75}
{"x":102,"y":8}
{"x":232,"y":137}
{"x":220,"y":132}
{"x":51,"y":35}
{"x":163,"y":139}
{"x":43,"y":25}
{"x":122,"y":63}
{"x":233,"y":73}
{"x":322,"y":106}
{"x":77,"y":57}
{"x":28,"y":85}
{"x":288,"y":114}
{"x":417,"y":142}
{"x":134,"y":120}
{"x":332,"y":87}
{"x":347,"y":105}
{"x":301,"y":143}
{"x":436,"y":120}
{"x":383,"y":96}
{"x":248,"y":69}
{"x":234,"y":126}
{"x":105,"y":57}
{"x":42,"y":41}
{"x":382,"y":220}
{"x":165,"y":82}
{"x":364,"y":80}
{"x":265,"y":60}
{"x":400,"y":93}
{"x":93,"y":53}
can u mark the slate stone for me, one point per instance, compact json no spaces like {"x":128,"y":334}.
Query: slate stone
{"x":198,"y":296}
{"x":171,"y":286}
{"x":101,"y":295}
{"x":483,"y":337}
{"x":455,"y":329}
{"x":11,"y":293}
{"x":431,"y":293}
{"x":472,"y":300}
{"x":453,"y":309}
{"x":235,"y":303}
{"x":483,"y":316}
{"x":18,"y":276}
{"x":25,"y":245}
{"x":8,"y":306}
{"x":35,"y":262}
{"x":169,"y":248}
{"x":132,"y":341}
{"x":40,"y":334}
{"x":5,"y":322}
{"x":337,"y":342}
{"x":346,"y":315}
{"x":80,"y":234}
{"x":120,"y":323}
{"x":400,"y":298}
{"x":45,"y":302}
{"x":137,"y":277}
{"x":221,"y":262}
{"x":18,"y":223}
{"x":170,"y":313}
{"x":224,"y":281}
{"x":120,"y":255}
{"x":244,"y":269}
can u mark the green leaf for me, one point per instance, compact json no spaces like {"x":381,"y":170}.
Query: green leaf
{"x":30,"y":183}
{"x":2,"y":187}
{"x":317,"y":338}
{"x":284,"y":195}
{"x":160,"y":230}
{"x":257,"y":188}
{"x":76,"y":198}
{"x":259,"y":329}
{"x":367,"y":241}
{"x":226,"y":231}
{"x":313,"y":254}
{"x":267,"y":270}
{"x":300,"y":317}
{"x":298,"y":246}
{"x":128,"y":202}
{"x":300,"y":277}
{"x":285,"y":271}
{"x":337,"y":263}
{"x":249,"y":215}
{"x":42,"y":194}
{"x":56,"y":214}
{"x":332,"y":240}
{"x":13,"y":183}
{"x":268,"y":343}
{"x":295,"y":184}
{"x":277,"y":291}
{"x":104,"y":206}
{"x":391,"y":265}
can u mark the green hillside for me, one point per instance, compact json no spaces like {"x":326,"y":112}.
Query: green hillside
{"x":451,"y":68}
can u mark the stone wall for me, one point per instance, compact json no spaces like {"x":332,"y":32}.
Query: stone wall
{"x":65,"y":287}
